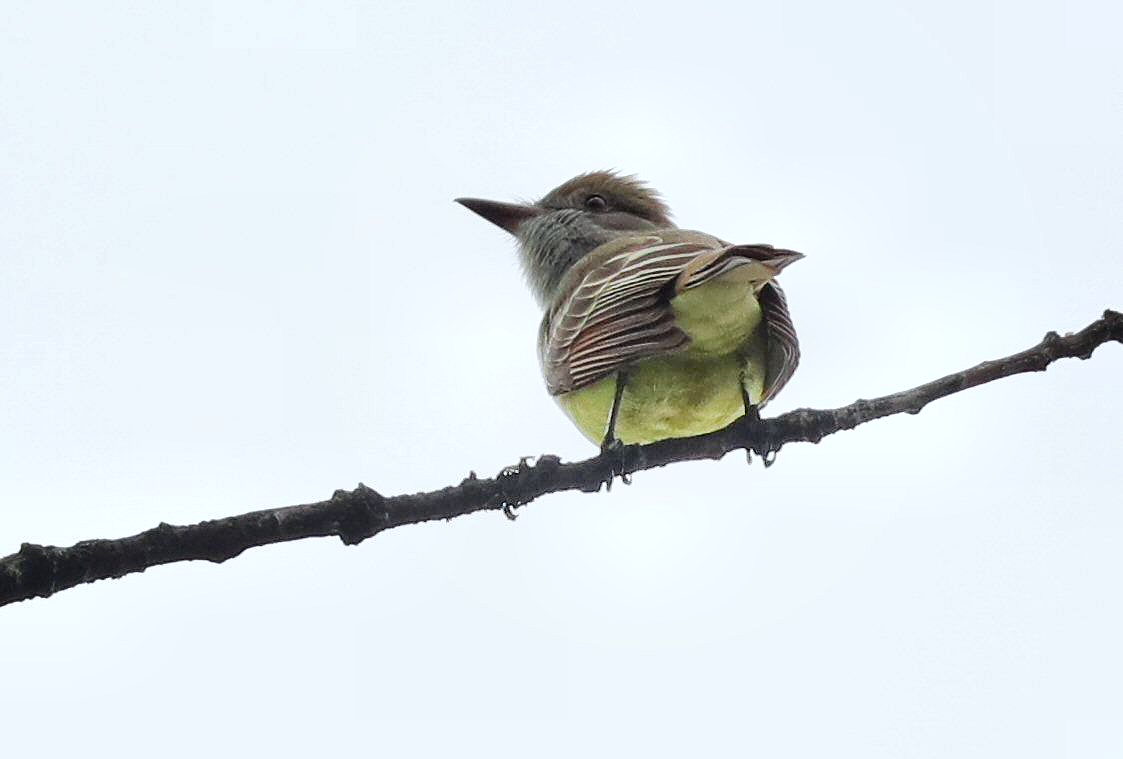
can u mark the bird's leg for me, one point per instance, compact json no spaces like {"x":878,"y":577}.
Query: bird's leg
{"x":614,"y":414}
{"x":752,"y":411}
{"x":762,"y":445}
{"x":611,"y":446}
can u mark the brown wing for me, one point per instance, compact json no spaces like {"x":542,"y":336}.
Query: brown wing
{"x":616,"y":311}
{"x":783,"y":345}
{"x":618,"y":308}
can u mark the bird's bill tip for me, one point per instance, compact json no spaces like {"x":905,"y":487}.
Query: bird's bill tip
{"x":508,"y":216}
{"x":784,"y":258}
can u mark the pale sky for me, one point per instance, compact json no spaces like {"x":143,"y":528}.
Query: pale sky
{"x":232,"y":276}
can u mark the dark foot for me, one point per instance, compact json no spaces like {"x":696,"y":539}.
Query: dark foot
{"x":752,"y":417}
{"x":762,"y":444}
{"x":613,"y":451}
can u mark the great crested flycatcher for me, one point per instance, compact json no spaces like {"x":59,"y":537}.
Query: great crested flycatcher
{"x":650,"y":331}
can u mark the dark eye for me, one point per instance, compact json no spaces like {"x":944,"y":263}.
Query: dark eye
{"x":596,"y":203}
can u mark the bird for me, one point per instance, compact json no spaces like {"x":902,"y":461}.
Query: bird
{"x":649,"y":331}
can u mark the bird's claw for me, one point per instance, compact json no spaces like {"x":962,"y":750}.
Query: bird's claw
{"x":760,"y":442}
{"x":613,"y":452}
{"x":768,"y":456}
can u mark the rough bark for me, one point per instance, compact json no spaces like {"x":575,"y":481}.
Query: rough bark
{"x":355,"y":515}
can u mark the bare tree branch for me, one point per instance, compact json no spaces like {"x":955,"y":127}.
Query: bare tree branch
{"x":356,"y":515}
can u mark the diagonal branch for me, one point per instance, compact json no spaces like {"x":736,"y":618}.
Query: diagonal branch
{"x":358,"y":514}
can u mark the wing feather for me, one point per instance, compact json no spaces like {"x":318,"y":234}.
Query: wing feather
{"x":618,"y":310}
{"x":616,"y":314}
{"x":783,"y":345}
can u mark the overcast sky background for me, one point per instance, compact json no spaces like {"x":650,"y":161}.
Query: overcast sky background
{"x":232,"y":276}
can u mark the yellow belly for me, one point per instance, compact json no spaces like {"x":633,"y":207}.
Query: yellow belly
{"x":691,"y":392}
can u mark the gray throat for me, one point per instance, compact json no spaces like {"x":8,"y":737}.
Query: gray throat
{"x":553,"y":242}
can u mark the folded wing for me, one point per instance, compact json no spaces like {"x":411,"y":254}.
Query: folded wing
{"x":783,"y":345}
{"x":618,"y":310}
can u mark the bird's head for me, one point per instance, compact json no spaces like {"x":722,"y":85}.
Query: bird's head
{"x":573,"y":219}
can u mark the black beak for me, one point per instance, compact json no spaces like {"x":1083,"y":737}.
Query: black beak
{"x":506,"y":215}
{"x":782,"y":259}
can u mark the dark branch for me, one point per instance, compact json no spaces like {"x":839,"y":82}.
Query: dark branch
{"x":356,"y":515}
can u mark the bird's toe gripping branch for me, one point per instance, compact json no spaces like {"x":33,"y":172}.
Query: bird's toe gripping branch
{"x":614,"y":454}
{"x":756,"y":436}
